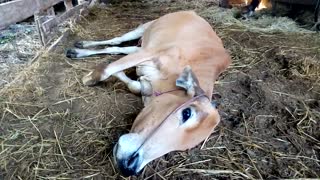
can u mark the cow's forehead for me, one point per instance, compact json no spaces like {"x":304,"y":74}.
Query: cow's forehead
{"x":191,"y":101}
{"x":160,"y":110}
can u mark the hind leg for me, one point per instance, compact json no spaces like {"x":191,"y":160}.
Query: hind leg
{"x":132,"y":35}
{"x":79,"y":53}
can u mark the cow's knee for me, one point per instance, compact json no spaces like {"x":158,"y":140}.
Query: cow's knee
{"x":95,"y":76}
{"x":89,"y":80}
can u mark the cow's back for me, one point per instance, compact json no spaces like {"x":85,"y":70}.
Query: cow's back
{"x":198,"y":46}
{"x":178,"y":29}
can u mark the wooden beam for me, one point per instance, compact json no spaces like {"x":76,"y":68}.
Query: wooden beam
{"x":47,"y":25}
{"x":60,"y":40}
{"x":68,"y":4}
{"x":51,"y":23}
{"x":16,"y":11}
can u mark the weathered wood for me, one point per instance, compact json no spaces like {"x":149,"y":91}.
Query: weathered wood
{"x":68,"y":4}
{"x":40,"y":18}
{"x":50,"y":11}
{"x":60,"y":40}
{"x":39,"y":29}
{"x":49,"y":24}
{"x":16,"y":11}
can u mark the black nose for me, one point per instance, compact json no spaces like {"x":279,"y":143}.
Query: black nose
{"x":129,"y":166}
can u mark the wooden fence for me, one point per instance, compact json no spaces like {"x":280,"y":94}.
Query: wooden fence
{"x":45,"y":18}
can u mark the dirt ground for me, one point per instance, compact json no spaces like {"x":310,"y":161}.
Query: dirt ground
{"x":19,"y":43}
{"x":53,"y":127}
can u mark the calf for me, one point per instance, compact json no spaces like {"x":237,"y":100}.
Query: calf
{"x":178,"y":62}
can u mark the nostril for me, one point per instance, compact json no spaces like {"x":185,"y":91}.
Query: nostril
{"x":127,"y":155}
{"x":129,"y":166}
{"x":133,"y":160}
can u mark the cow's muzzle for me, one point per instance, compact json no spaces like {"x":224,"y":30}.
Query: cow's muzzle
{"x":126,"y":157}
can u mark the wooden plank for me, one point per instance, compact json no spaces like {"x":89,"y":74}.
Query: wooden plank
{"x":60,"y":40}
{"x":51,"y":23}
{"x":16,"y":11}
{"x":39,"y":29}
{"x":68,"y":4}
{"x":47,"y":25}
{"x":50,"y":11}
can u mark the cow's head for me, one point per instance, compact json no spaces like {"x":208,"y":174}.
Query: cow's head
{"x":170,"y":122}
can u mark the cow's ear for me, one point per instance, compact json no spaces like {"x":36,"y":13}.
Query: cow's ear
{"x":188,"y":81}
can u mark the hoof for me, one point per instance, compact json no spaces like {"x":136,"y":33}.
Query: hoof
{"x":79,"y":44}
{"x":72,"y":53}
{"x":88,"y":80}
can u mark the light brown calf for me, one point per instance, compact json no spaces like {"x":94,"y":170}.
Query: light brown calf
{"x":178,"y":62}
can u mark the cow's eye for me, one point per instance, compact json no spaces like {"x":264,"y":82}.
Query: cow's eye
{"x":186,"y":114}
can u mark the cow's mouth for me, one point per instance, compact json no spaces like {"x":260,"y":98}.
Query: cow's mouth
{"x":127,"y":163}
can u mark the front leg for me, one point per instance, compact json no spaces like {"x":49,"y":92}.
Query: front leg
{"x":104,"y":71}
{"x":134,"y":86}
{"x":143,"y":87}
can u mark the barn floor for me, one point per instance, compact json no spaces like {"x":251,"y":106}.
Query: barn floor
{"x":53,"y":127}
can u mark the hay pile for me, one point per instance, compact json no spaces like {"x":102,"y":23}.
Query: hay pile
{"x":263,"y":22}
{"x":53,"y":127}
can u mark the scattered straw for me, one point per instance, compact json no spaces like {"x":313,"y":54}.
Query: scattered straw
{"x":53,"y":127}
{"x":213,"y":172}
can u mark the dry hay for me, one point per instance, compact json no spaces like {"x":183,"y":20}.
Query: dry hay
{"x":53,"y":127}
{"x":263,"y":23}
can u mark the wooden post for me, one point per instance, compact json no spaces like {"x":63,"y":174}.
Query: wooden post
{"x":47,"y":25}
{"x":39,"y":18}
{"x":50,"y":12}
{"x":68,"y":4}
